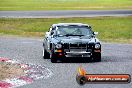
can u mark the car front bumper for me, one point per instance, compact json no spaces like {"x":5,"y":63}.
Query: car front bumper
{"x":78,"y":54}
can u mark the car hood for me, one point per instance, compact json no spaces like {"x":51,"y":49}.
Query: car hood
{"x":76,"y":39}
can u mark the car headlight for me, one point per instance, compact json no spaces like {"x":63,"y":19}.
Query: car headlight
{"x":97,"y":46}
{"x":58,"y":46}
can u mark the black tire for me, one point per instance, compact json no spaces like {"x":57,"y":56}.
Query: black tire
{"x":53,"y":58}
{"x":46,"y":55}
{"x":97,"y":57}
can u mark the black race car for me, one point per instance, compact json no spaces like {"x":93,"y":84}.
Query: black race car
{"x":71,"y":40}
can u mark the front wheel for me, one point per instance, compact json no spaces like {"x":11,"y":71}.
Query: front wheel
{"x":96,"y":57}
{"x":53,"y":58}
{"x":46,"y":55}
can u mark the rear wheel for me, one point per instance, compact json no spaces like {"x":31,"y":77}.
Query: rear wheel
{"x":46,"y":55}
{"x":97,"y":57}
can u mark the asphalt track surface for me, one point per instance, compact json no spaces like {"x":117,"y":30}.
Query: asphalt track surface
{"x":64,"y":14}
{"x":116,"y":59}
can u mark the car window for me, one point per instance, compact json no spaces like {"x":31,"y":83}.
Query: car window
{"x":74,"y":30}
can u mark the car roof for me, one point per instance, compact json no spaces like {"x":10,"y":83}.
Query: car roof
{"x":68,"y":24}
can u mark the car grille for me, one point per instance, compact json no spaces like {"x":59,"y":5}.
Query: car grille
{"x":78,"y":46}
{"x":75,"y":47}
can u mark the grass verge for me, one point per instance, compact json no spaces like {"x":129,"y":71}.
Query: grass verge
{"x":111,"y":29}
{"x":64,"y":4}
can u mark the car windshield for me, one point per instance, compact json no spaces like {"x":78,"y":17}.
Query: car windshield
{"x":74,"y":31}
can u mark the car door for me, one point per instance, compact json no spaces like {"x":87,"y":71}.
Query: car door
{"x":48,"y":38}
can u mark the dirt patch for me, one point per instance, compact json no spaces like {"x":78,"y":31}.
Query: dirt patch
{"x":9,"y":70}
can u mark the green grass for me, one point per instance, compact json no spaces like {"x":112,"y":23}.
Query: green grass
{"x":64,"y":4}
{"x":109,"y":28}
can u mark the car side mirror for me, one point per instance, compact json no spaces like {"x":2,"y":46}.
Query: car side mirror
{"x":51,"y":33}
{"x":47,"y":34}
{"x":95,"y":33}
